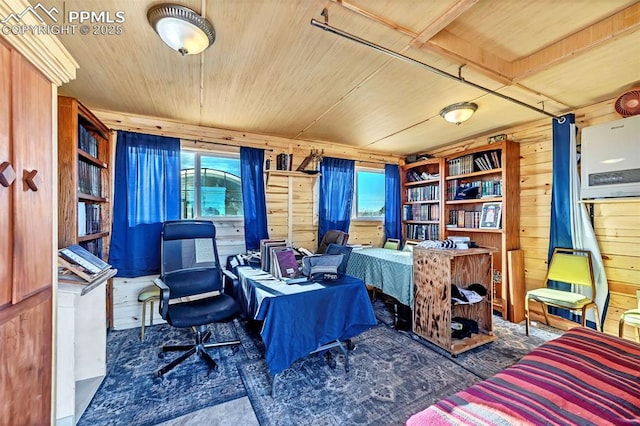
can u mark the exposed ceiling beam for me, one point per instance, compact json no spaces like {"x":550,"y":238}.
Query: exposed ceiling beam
{"x":627,"y":20}
{"x":441,"y":22}
{"x":447,"y":45}
{"x":453,"y":47}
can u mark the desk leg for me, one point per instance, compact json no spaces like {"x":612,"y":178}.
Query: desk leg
{"x":273,"y":385}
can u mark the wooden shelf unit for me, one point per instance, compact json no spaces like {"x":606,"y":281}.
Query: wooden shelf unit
{"x":422,"y":207}
{"x":83,"y":177}
{"x":465,"y":169}
{"x":434,"y":272}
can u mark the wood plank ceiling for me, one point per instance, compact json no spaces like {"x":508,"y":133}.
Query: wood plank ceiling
{"x":270,"y":72}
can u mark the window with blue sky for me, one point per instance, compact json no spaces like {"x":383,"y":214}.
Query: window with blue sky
{"x":369,"y":194}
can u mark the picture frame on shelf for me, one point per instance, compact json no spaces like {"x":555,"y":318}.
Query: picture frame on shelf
{"x":491,"y":216}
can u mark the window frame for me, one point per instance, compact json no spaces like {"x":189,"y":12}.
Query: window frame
{"x":198,"y":152}
{"x":354,"y":210}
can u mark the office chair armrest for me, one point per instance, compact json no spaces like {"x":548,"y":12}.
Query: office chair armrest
{"x":164,"y":296}
{"x":230,"y":274}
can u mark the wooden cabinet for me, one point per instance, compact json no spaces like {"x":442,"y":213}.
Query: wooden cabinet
{"x":422,"y":207}
{"x":27,"y":240}
{"x":84,"y":210}
{"x":434,"y":272}
{"x":488,"y":174}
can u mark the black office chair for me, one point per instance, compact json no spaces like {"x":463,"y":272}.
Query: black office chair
{"x":190,"y":267}
{"x":345,"y":251}
{"x":332,"y":236}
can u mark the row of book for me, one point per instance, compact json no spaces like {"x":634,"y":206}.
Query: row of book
{"x":87,"y":142}
{"x":475,"y":163}
{"x":417,"y":176}
{"x":89,"y":218}
{"x":423,"y":232}
{"x":89,"y":179}
{"x":486,"y":188}
{"x":464,"y":219}
{"x":421,"y":212}
{"x":284,"y":161}
{"x":279,"y":259}
{"x":93,"y":246}
{"x":423,"y":193}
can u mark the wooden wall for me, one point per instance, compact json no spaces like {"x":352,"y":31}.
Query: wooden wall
{"x":291,"y":197}
{"x":616,"y":222}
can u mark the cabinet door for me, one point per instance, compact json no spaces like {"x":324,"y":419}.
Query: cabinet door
{"x":6,"y":226}
{"x":33,"y":190}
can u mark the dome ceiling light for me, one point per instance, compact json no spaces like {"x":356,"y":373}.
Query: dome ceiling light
{"x":181,"y":28}
{"x":458,"y":113}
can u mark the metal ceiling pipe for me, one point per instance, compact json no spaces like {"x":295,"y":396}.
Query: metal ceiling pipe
{"x":325,"y":26}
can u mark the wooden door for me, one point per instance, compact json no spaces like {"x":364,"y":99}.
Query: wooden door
{"x":6,"y":225}
{"x":26,"y":242}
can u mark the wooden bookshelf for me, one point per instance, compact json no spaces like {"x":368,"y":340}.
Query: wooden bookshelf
{"x":494,"y":169}
{"x":84,"y":207}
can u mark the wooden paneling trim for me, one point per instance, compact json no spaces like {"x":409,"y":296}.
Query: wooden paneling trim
{"x":42,"y":50}
{"x":176,"y":129}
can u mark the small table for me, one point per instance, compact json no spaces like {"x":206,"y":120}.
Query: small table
{"x":299,"y":319}
{"x":391,"y":271}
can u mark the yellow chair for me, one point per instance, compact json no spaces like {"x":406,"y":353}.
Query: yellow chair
{"x":632,"y":318}
{"x":148,"y":294}
{"x":569,"y":266}
{"x":392,"y":244}
{"x":409,"y":245}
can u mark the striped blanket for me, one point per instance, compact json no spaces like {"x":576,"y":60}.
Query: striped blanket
{"x":581,"y":378}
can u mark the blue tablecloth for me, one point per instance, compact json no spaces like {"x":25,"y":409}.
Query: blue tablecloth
{"x":389,"y":270}
{"x":298,"y":323}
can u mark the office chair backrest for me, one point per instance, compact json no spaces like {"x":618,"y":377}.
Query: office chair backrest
{"x":190,"y":262}
{"x":333,"y":236}
{"x":345,"y":251}
{"x":571,"y":268}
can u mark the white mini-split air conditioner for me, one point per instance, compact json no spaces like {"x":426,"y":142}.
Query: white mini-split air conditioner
{"x":610,"y":159}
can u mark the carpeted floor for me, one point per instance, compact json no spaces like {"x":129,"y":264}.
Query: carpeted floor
{"x":393,"y":375}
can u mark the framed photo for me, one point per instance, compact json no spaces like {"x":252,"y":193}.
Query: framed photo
{"x":491,"y":216}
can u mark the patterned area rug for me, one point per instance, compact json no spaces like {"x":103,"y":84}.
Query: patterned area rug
{"x":393,"y":375}
{"x":131,"y":394}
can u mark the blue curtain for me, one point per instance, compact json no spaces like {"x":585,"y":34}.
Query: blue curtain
{"x":392,"y":202}
{"x":570,"y":223}
{"x":336,"y":195}
{"x":146,"y":193}
{"x":253,"y":197}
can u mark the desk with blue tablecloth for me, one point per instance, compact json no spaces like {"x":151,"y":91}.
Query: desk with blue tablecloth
{"x":391,"y":271}
{"x":300,"y":318}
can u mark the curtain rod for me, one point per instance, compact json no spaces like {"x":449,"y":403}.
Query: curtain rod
{"x":220,"y":143}
{"x":325,"y":26}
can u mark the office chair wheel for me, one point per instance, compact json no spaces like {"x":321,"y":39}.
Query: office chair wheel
{"x":212,"y":371}
{"x":351,"y":346}
{"x":161,"y":355}
{"x":331,"y":361}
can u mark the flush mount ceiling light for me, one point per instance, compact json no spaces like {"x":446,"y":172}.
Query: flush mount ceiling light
{"x":181,"y":28}
{"x":457,"y":113}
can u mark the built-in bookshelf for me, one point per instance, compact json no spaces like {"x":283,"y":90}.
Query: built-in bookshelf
{"x":422,"y":209}
{"x":481,"y":202}
{"x":84,"y":211}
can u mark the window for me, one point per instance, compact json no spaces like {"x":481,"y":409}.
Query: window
{"x":209,"y":185}
{"x":369,"y":194}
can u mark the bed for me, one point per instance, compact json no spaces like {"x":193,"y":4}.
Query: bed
{"x":581,"y":378}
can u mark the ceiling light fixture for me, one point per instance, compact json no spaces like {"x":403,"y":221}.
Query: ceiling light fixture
{"x":181,"y":28}
{"x":457,"y":113}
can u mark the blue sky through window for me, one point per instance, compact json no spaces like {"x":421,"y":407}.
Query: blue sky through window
{"x":370,"y":193}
